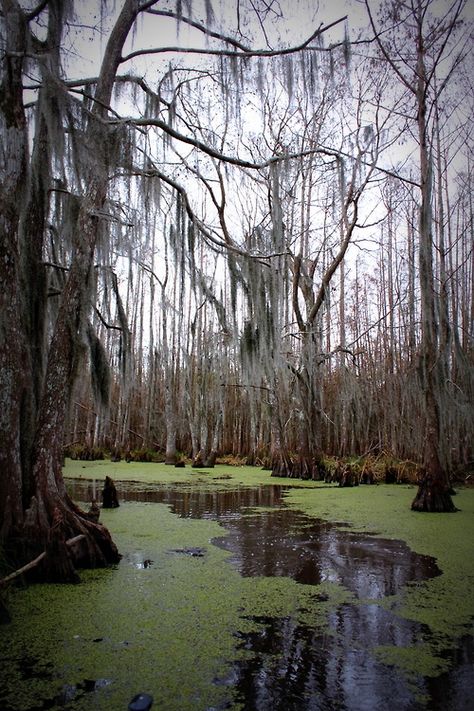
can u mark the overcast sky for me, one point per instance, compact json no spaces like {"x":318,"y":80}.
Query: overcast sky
{"x":302,"y":18}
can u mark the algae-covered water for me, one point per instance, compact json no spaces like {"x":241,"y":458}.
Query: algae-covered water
{"x":236,"y":591}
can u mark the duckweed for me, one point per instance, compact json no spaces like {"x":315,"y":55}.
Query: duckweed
{"x":172,"y":627}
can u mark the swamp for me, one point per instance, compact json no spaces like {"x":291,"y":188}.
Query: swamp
{"x":237,"y":295}
{"x":237,"y":590}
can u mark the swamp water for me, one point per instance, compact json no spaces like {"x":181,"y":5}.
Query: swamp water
{"x":229,"y":599}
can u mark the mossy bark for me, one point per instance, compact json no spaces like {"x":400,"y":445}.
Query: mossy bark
{"x":32,"y":490}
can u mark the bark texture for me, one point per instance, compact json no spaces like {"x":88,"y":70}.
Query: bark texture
{"x":35,"y":511}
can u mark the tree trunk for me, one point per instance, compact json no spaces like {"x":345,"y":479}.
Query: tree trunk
{"x":281,"y":463}
{"x":433,"y":493}
{"x":170,"y":414}
{"x":33,"y":493}
{"x":14,"y":355}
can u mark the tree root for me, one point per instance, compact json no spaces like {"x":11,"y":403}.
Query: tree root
{"x":49,"y":530}
{"x":32,"y":564}
{"x":433,"y":496}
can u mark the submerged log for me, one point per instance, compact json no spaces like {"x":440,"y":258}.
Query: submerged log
{"x":24,"y":569}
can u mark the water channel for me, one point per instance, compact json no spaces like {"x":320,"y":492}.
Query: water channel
{"x":294,"y":666}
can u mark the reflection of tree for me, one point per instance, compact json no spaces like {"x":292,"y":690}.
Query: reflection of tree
{"x":287,"y":543}
{"x":186,"y":503}
{"x":296,"y":667}
{"x":455,"y":689}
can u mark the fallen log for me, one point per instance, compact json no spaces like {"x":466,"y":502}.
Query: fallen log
{"x":35,"y":562}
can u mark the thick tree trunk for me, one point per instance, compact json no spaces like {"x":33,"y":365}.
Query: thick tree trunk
{"x":32,"y":491}
{"x":14,"y":372}
{"x":63,"y":359}
{"x":14,"y":393}
{"x":433,"y":496}
{"x":433,"y":493}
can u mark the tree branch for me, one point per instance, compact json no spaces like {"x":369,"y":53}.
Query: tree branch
{"x":245,"y":53}
{"x":202,"y":28}
{"x":36,"y":11}
{"x":213,"y":153}
{"x":386,"y":55}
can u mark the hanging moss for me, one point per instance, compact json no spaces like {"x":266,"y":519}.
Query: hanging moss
{"x":249,"y":343}
{"x":347,"y":47}
{"x":125,"y":335}
{"x":100,"y":369}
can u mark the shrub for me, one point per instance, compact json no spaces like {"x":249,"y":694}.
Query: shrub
{"x":83,"y":452}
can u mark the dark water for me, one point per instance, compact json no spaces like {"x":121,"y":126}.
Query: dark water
{"x":294,"y":667}
{"x":288,"y":543}
{"x":186,"y":502}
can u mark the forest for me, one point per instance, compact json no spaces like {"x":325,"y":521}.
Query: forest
{"x":235,"y":230}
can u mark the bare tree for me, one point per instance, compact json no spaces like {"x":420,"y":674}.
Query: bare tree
{"x":415,"y":65}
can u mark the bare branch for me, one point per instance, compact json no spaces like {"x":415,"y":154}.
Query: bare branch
{"x":213,"y":153}
{"x":234,"y":53}
{"x":36,"y":11}
{"x":202,"y":28}
{"x":386,"y":55}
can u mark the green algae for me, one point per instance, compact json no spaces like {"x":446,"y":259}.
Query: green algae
{"x":152,"y":629}
{"x":223,"y":475}
{"x":170,"y":628}
{"x":445,"y":604}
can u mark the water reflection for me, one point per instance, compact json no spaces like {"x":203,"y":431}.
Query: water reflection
{"x":184,"y":501}
{"x":288,"y":543}
{"x":454,"y":690}
{"x":296,"y":668}
{"x":293,"y":667}
{"x":281,"y":542}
